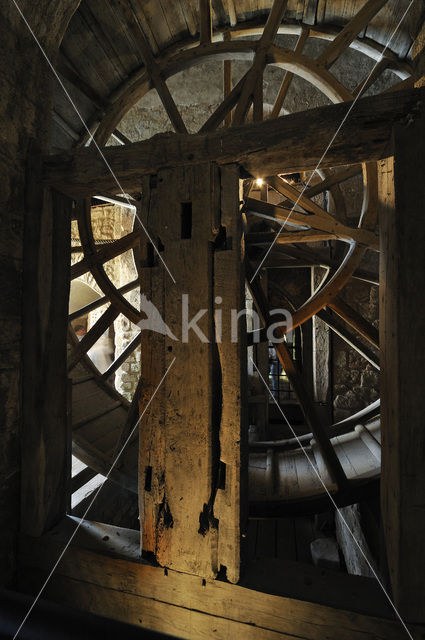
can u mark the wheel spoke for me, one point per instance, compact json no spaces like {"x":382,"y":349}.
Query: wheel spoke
{"x":338,"y":327}
{"x":287,"y":80}
{"x":331,"y":459}
{"x":205,"y":22}
{"x":101,"y":301}
{"x":355,"y":320}
{"x":350,"y":32}
{"x":255,"y":73}
{"x":152,"y":68}
{"x":122,"y":357}
{"x":317,"y":222}
{"x":92,"y":336}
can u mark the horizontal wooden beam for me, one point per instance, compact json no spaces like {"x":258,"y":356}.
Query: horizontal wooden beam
{"x":90,"y":577}
{"x":262,"y":149}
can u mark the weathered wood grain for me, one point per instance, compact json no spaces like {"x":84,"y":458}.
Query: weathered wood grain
{"x":266,"y":148}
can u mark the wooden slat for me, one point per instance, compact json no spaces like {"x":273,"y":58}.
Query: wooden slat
{"x":267,"y":148}
{"x":224,"y":109}
{"x":350,"y":31}
{"x":335,"y":178}
{"x":94,"y":416}
{"x":227,"y":86}
{"x":104,"y":253}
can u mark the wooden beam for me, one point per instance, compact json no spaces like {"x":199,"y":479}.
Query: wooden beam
{"x":267,"y":148}
{"x":341,"y":330}
{"x":350,"y":31}
{"x":287,"y":80}
{"x":152,"y":67}
{"x":90,"y":578}
{"x":336,"y":178}
{"x":371,"y":78}
{"x":101,"y":301}
{"x":402,"y":267}
{"x":189,"y":462}
{"x":46,"y":436}
{"x":355,"y":320}
{"x":122,"y":357}
{"x":255,"y":74}
{"x":324,"y":223}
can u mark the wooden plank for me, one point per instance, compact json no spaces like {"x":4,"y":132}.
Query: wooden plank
{"x":335,"y":178}
{"x":82,"y":478}
{"x":402,"y":274}
{"x":266,"y":148}
{"x":135,"y":342}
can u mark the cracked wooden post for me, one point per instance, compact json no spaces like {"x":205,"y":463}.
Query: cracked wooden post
{"x":190,"y":435}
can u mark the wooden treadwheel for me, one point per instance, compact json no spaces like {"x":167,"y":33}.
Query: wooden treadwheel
{"x":102,"y":418}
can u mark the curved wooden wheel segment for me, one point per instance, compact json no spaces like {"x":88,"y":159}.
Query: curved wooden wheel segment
{"x":295,"y":221}
{"x":93,"y":261}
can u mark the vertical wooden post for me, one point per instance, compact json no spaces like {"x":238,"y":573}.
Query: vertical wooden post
{"x":45,"y":431}
{"x":190,"y":437}
{"x":402,"y":339}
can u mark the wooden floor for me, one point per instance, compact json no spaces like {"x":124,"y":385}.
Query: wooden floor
{"x":284,"y":539}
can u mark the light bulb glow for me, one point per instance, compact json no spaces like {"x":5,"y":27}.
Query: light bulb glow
{"x":259,"y":182}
